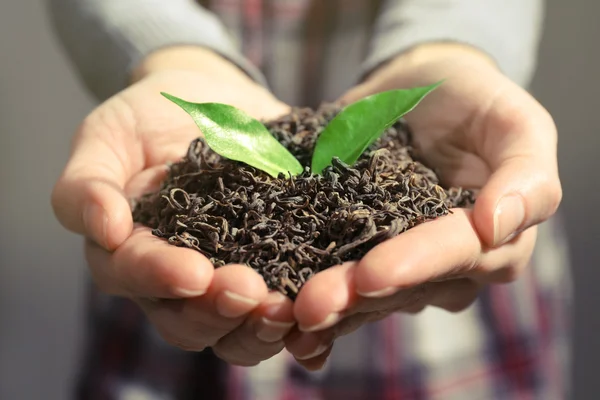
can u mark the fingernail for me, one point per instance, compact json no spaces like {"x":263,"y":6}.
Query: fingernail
{"x":508,"y":217}
{"x":93,"y":212}
{"x":318,"y":351}
{"x":317,"y":367}
{"x":272,"y":331}
{"x":233,"y":305}
{"x":187,"y":293}
{"x":276,"y":299}
{"x":328,"y":322}
{"x":379,"y":293}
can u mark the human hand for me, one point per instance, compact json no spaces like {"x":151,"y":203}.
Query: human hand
{"x":480,"y":131}
{"x":120,"y":152}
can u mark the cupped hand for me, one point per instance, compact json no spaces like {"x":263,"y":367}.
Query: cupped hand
{"x":480,"y":131}
{"x":119,"y":153}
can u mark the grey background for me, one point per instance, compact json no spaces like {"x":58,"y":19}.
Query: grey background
{"x":41,"y":269}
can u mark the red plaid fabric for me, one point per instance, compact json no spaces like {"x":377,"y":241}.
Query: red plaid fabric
{"x":511,"y":344}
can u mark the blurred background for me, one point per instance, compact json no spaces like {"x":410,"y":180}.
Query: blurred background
{"x":42,"y":273}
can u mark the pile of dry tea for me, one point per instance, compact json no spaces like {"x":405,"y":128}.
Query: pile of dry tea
{"x":289,"y":228}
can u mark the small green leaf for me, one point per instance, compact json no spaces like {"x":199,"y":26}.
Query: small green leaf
{"x":235,"y":135}
{"x":360,"y":124}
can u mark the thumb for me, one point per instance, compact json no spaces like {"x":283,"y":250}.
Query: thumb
{"x":356,"y":93}
{"x":89,"y":196}
{"x":518,"y":141}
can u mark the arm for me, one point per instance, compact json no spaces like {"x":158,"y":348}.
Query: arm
{"x":107,"y":39}
{"x":508,"y":31}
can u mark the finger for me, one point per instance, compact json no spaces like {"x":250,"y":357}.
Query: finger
{"x":147,"y":181}
{"x":453,"y":296}
{"x":260,"y":337}
{"x":316,"y":363}
{"x":506,"y":263}
{"x":518,"y":139}
{"x":308,"y":345}
{"x":456,"y":293}
{"x":356,"y":93}
{"x":166,"y":317}
{"x":274,"y":318}
{"x":88,"y":198}
{"x":312,"y":349}
{"x":322,"y":300}
{"x":446,"y":246}
{"x":147,"y":266}
{"x":330,"y":296}
{"x":199,"y":322}
{"x":236,"y":290}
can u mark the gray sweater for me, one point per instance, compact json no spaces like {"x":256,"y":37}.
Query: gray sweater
{"x":106,"y":38}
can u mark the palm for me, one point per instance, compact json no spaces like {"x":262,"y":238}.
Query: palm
{"x":441,"y":142}
{"x":155,"y":131}
{"x":450,"y":128}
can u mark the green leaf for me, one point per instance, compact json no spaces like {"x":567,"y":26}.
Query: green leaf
{"x":360,"y":124}
{"x":237,"y":136}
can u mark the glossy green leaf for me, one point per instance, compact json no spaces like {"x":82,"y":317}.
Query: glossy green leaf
{"x":360,"y":124}
{"x":237,"y":136}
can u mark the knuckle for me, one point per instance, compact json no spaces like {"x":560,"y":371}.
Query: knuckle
{"x":547,"y":120}
{"x":457,"y":297}
{"x":55,"y":198}
{"x":508,"y":275}
{"x":208,"y":325}
{"x":254,"y":348}
{"x":407,"y":298}
{"x":230,"y":357}
{"x":554,"y":195}
{"x":101,"y":280}
{"x":209,"y":329}
{"x":107,"y":288}
{"x":459,"y":305}
{"x":264,"y":351}
{"x":415,"y":309}
{"x":209,"y":337}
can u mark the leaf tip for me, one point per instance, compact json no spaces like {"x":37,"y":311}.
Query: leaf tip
{"x":437,"y":84}
{"x":186,"y":106}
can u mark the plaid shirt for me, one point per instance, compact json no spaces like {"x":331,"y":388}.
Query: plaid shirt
{"x":511,"y":344}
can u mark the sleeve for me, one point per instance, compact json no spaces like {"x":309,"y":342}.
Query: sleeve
{"x":105,"y":39}
{"x":507,"y":30}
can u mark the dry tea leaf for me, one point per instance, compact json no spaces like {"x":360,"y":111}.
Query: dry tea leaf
{"x":288,"y":230}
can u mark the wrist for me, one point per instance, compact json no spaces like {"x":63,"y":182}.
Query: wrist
{"x":190,"y":58}
{"x":429,"y":52}
{"x":449,"y":55}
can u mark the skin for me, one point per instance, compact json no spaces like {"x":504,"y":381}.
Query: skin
{"x":491,"y":135}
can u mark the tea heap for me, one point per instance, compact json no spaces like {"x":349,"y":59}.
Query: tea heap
{"x":288,"y":229}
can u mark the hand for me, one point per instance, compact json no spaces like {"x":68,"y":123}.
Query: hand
{"x":119,"y":153}
{"x":481,"y":131}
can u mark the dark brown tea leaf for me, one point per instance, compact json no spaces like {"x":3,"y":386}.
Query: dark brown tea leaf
{"x":288,"y":229}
